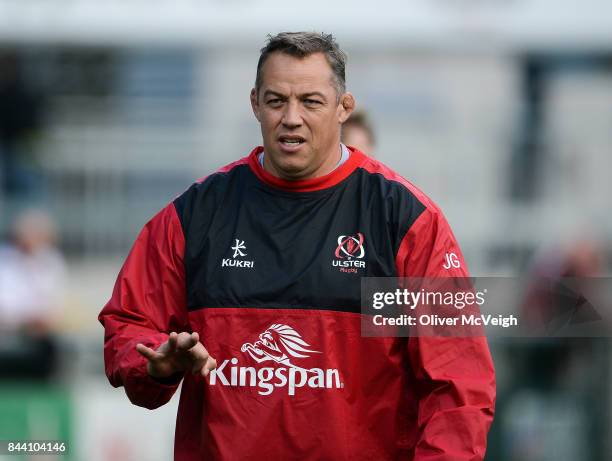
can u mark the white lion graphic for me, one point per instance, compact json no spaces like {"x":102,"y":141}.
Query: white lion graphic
{"x":279,"y":343}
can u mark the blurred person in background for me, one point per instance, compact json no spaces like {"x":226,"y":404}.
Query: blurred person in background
{"x":557,"y":409}
{"x":547,"y":305}
{"x":262,"y":263}
{"x":358,"y":132}
{"x":32,"y":278}
{"x":19,"y":119}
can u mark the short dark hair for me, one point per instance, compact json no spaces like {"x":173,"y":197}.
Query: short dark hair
{"x":301,"y":45}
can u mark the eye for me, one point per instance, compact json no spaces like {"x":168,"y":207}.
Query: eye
{"x":312,"y":102}
{"x":275,"y":102}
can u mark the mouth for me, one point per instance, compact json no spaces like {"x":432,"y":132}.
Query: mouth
{"x":291,"y":142}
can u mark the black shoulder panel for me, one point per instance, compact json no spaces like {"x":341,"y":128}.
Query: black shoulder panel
{"x":250,"y":245}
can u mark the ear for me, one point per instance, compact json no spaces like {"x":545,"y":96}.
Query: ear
{"x":346,"y":107}
{"x":255,"y":103}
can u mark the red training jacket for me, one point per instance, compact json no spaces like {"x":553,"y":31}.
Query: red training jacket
{"x":268,"y":273}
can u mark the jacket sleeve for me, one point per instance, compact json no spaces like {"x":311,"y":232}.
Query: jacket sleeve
{"x":455,"y":377}
{"x":148,"y":302}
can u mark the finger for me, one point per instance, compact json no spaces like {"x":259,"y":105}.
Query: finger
{"x":147,"y":352}
{"x":198,"y":364}
{"x":185,"y":341}
{"x":172,"y":341}
{"x":209,"y":366}
{"x":198,"y":353}
{"x":198,"y":356}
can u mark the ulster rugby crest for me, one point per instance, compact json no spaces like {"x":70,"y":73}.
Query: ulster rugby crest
{"x":350,"y":253}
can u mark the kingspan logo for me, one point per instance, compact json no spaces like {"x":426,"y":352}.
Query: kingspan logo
{"x":279,"y":344}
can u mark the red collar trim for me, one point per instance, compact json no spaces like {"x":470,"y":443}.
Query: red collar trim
{"x":306,"y":185}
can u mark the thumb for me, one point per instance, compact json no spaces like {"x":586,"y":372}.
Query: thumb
{"x":147,"y":352}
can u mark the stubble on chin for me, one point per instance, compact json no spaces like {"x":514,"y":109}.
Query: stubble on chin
{"x":293,"y":171}
{"x":290,"y":168}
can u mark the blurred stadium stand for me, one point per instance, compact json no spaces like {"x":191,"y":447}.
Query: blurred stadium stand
{"x":501,"y":111}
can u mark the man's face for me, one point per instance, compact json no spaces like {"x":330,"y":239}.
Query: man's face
{"x":300,"y":115}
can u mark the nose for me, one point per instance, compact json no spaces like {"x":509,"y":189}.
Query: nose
{"x":291,"y":115}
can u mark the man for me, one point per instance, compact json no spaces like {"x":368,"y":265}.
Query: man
{"x":261,"y":263}
{"x":357,"y":131}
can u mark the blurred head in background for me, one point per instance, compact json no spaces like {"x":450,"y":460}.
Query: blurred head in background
{"x":300,"y":101}
{"x":358,"y":132}
{"x":34,"y":230}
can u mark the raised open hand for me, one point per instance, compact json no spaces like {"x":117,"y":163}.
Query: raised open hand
{"x":182,"y":351}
